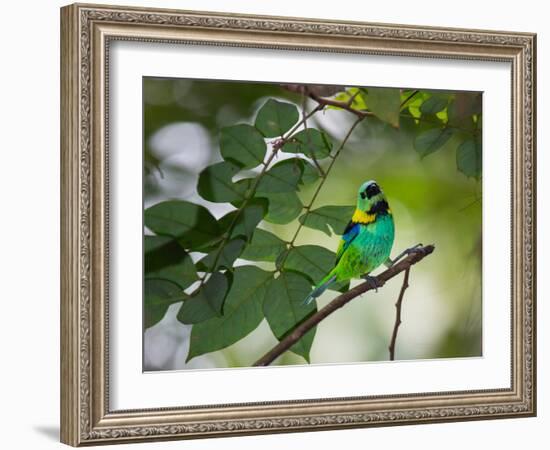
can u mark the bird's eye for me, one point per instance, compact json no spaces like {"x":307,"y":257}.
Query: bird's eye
{"x":372,"y":190}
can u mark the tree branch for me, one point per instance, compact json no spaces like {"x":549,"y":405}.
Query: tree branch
{"x":398,"y":304}
{"x":322,"y":101}
{"x":344,"y":105}
{"x":295,"y":335}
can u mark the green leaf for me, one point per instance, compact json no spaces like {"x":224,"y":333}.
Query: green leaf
{"x":468,"y":158}
{"x":358,"y":101}
{"x":158,"y":296}
{"x":432,"y":140}
{"x":242,"y":144}
{"x":244,"y":186}
{"x":337,"y":217}
{"x":264,"y":246}
{"x":165,"y":259}
{"x":385,"y":103}
{"x":443,"y":116}
{"x":216,"y":183}
{"x":192,"y":225}
{"x":247,"y":220}
{"x":242,"y":313}
{"x":284,"y":309}
{"x":282,"y":208}
{"x":310,"y":142}
{"x":311,"y":260}
{"x":414,"y":104}
{"x":310,"y":174}
{"x":227,"y":256}
{"x":282,"y":177}
{"x":275,"y":118}
{"x":207,"y":303}
{"x":433,"y":105}
{"x":159,"y":246}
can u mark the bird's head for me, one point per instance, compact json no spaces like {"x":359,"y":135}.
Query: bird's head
{"x":370,"y":198}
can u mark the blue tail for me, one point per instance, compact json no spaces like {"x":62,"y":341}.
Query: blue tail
{"x":322,"y":287}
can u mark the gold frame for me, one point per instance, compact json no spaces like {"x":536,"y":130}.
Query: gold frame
{"x":86,"y":31}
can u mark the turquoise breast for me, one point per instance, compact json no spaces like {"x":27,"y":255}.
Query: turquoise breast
{"x":370,"y":249}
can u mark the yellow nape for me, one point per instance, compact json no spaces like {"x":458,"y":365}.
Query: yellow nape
{"x":363,"y":217}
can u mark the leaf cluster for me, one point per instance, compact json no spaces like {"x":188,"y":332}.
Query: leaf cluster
{"x":436,"y":119}
{"x":191,"y":257}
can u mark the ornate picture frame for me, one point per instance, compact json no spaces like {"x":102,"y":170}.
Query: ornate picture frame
{"x":87,"y":31}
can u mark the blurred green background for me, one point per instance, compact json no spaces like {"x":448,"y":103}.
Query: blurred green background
{"x":432,"y":202}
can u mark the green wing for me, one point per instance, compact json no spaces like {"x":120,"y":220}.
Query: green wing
{"x":350,"y":233}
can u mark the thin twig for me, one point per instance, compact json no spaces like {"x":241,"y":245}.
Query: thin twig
{"x":404,"y":102}
{"x":318,"y":166}
{"x":304,"y":121}
{"x":283,"y":140}
{"x":322,"y":182}
{"x":344,"y":105}
{"x":275,"y":148}
{"x":352,"y":98}
{"x":398,"y":304}
{"x":295,"y":335}
{"x":229,"y":231}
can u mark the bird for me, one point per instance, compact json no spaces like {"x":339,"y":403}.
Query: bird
{"x":366,"y":242}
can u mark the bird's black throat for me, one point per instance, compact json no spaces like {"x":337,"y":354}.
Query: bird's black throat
{"x":381,"y":207}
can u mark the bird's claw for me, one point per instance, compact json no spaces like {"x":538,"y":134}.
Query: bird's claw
{"x":409,"y":251}
{"x":372,"y":282}
{"x":414,"y":248}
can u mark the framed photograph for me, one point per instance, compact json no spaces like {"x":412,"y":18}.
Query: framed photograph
{"x":276,"y":224}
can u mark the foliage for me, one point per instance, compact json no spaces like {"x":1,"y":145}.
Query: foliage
{"x":435,"y":118}
{"x":191,"y":259}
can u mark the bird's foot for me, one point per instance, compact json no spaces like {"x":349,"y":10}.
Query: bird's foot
{"x":373,"y":282}
{"x":414,"y":249}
